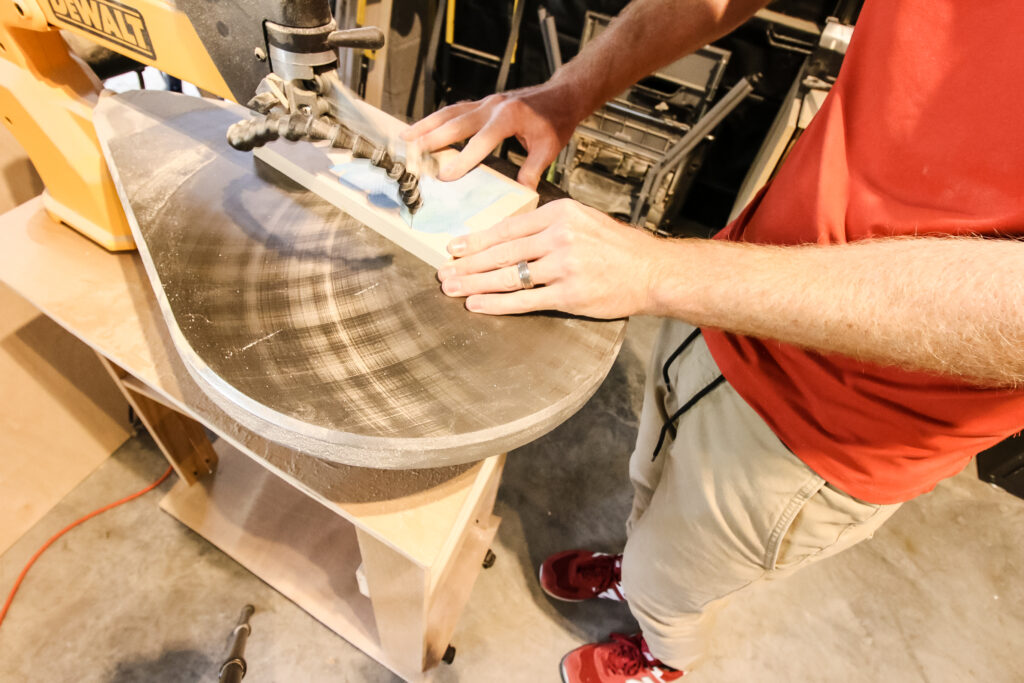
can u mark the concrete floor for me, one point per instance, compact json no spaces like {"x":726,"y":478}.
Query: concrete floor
{"x":937,"y":596}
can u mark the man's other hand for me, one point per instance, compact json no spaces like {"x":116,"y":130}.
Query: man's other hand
{"x":580,"y":261}
{"x":539,"y":117}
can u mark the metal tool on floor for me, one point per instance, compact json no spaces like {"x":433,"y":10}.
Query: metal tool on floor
{"x":233,"y":669}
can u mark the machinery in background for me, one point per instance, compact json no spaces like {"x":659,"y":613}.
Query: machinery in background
{"x":640,"y":135}
{"x":1003,"y":465}
{"x":636,"y":158}
{"x":803,"y":101}
{"x":625,"y":159}
{"x":459,"y":63}
{"x":444,"y":56}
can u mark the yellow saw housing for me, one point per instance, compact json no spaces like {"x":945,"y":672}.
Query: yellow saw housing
{"x":47,"y":95}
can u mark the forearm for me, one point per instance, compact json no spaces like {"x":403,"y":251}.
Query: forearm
{"x":948,"y":305}
{"x":647,"y":35}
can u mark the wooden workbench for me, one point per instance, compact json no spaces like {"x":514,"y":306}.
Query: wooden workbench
{"x":302,"y":524}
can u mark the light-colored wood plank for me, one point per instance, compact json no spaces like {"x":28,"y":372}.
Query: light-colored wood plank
{"x":455,"y":572}
{"x":299,"y":547}
{"x":139,"y":387}
{"x":767,"y":160}
{"x":417,"y":608}
{"x":398,"y":591}
{"x":812,"y":103}
{"x":182,"y":440}
{"x":451,"y":595}
{"x":60,"y":416}
{"x":475,"y":202}
{"x":476,"y":510}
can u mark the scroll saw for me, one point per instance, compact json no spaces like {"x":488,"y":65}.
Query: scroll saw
{"x":279,"y":56}
{"x":298,"y":320}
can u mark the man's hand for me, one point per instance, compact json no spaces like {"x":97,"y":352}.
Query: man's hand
{"x":949,"y":305}
{"x":581,"y":262}
{"x":538,"y":117}
{"x":646,"y":36}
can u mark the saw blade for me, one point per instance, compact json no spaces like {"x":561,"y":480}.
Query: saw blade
{"x":374,"y":125}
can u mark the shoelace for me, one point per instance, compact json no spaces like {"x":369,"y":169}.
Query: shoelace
{"x":597,"y":573}
{"x":626,"y":658}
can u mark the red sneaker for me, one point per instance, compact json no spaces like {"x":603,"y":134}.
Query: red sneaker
{"x":625,"y":658}
{"x":577,"y":575}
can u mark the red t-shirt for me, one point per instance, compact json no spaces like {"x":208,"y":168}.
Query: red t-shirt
{"x":923,"y":132}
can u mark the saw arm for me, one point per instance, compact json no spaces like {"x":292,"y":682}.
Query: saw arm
{"x":230,"y":49}
{"x":304,"y":99}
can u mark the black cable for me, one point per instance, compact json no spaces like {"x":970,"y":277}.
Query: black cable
{"x":675,"y":354}
{"x":679,"y":413}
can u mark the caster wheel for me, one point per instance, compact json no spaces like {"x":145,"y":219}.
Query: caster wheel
{"x":489,"y":559}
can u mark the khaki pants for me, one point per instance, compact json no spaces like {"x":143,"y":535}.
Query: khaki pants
{"x":723,"y":505}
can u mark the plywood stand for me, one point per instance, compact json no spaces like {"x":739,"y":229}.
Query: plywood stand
{"x":301,"y":524}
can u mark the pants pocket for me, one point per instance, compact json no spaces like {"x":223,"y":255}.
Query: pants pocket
{"x":828,"y":523}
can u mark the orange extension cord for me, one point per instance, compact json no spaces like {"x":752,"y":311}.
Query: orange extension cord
{"x":69,"y":527}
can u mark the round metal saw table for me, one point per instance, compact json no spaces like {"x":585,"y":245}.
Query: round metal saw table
{"x":312,"y":330}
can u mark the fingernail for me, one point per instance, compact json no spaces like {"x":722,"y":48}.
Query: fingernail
{"x":450,"y":287}
{"x":473,"y":304}
{"x":457,"y":246}
{"x":445,"y":273}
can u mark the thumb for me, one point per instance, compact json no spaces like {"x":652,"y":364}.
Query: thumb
{"x":535,"y":165}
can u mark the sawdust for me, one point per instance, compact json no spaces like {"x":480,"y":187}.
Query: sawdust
{"x":253,"y":343}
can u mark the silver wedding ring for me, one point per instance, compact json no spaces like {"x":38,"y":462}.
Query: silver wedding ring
{"x":524,"y":275}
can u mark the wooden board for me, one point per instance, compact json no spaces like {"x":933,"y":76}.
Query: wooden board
{"x":60,"y":415}
{"x":182,"y":439}
{"x":313,"y":331}
{"x":474,"y":202}
{"x":779,"y":137}
{"x":300,"y":548}
{"x":309,"y":554}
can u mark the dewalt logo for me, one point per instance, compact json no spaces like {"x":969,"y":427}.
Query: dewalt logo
{"x":107,"y":19}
